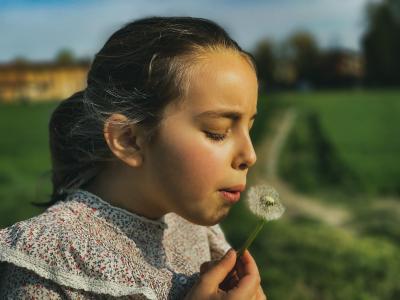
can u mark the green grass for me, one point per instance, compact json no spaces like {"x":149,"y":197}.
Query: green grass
{"x":298,"y":258}
{"x":364,"y":127}
{"x":303,"y":259}
{"x":24,"y":156}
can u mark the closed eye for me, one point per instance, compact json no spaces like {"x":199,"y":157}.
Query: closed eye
{"x":215,"y":136}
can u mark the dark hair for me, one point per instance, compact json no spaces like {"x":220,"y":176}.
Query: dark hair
{"x":141,"y":68}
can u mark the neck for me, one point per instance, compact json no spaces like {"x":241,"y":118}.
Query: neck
{"x":118,"y":185}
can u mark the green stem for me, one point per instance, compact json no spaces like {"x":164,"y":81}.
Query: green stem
{"x":227,"y":283}
{"x":251,"y":238}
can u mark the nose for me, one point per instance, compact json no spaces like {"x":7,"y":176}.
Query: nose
{"x":246,"y":156}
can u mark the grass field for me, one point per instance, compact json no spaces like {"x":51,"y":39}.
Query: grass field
{"x":298,"y":258}
{"x":364,"y":128}
{"x":24,"y":156}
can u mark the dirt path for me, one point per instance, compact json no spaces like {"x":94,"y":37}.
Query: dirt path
{"x":267,"y":171}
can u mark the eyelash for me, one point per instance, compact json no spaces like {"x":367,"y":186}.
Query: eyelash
{"x":215,"y":136}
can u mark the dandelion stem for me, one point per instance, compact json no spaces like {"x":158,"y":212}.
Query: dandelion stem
{"x":251,"y":237}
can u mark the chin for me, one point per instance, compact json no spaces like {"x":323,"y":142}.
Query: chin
{"x":205,"y":217}
{"x":210,"y":220}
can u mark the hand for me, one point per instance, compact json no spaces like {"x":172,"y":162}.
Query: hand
{"x":216,"y":280}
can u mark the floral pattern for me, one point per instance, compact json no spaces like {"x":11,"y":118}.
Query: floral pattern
{"x":85,"y":248}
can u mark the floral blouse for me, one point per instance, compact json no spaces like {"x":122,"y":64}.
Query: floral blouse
{"x":85,"y":248}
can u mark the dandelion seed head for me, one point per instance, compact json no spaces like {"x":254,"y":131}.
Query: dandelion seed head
{"x":263,"y":201}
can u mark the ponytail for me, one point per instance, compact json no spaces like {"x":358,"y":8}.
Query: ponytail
{"x":77,"y":147}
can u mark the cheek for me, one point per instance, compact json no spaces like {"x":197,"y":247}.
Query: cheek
{"x":201,"y":161}
{"x":195,"y":162}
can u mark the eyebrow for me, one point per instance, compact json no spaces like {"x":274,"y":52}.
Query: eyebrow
{"x":233,"y":115}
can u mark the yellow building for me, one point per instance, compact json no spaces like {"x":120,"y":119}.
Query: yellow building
{"x":34,"y":82}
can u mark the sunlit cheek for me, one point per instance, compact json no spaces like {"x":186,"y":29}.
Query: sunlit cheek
{"x":199,"y":165}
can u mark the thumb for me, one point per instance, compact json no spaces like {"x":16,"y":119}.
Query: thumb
{"x":206,"y":266}
{"x":217,"y":273}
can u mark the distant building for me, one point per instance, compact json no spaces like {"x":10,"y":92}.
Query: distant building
{"x":334,"y":68}
{"x":285,"y":72}
{"x":44,"y":81}
{"x":341,"y":68}
{"x":350,"y":63}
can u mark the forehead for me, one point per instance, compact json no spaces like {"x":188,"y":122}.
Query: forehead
{"x":221,"y":80}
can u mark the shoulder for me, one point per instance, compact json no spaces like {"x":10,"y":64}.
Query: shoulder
{"x":20,"y":283}
{"x":71,"y":247}
{"x":217,"y":241}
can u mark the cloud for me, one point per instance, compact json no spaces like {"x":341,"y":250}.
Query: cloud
{"x":40,"y":31}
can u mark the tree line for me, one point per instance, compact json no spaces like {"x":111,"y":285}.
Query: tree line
{"x":299,"y":62}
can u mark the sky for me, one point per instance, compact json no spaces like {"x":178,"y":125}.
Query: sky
{"x":38,"y":29}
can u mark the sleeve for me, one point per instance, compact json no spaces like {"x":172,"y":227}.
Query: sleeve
{"x":20,"y":283}
{"x":217,"y":241}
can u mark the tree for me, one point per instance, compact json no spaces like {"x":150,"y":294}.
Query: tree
{"x":381,"y":43}
{"x":265,"y":62}
{"x":20,"y":60}
{"x":339,"y":68}
{"x":65,"y":56}
{"x":303,"y":51}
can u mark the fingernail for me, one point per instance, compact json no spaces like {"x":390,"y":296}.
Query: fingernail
{"x":229,"y":253}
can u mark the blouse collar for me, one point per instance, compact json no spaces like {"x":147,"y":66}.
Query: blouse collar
{"x":121,"y":218}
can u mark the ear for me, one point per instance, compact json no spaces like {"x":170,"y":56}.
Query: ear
{"x":124,"y":140}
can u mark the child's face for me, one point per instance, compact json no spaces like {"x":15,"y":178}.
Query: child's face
{"x":186,"y":168}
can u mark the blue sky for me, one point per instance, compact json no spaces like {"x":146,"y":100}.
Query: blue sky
{"x":38,"y":29}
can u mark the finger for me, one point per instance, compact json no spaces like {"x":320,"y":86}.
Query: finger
{"x":260,"y":294}
{"x":244,"y":265}
{"x":239,"y":267}
{"x":247,"y":265}
{"x":248,"y":285}
{"x":220,"y":269}
{"x":230,"y":281}
{"x":206,"y":266}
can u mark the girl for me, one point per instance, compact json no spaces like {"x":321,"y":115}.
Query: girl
{"x":146,"y":161}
